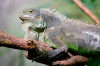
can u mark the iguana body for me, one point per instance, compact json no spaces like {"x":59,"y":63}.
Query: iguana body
{"x":58,"y":31}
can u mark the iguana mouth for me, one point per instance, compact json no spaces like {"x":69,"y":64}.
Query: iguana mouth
{"x":26,"y":17}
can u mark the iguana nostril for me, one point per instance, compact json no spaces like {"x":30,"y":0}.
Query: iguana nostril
{"x":20,"y":13}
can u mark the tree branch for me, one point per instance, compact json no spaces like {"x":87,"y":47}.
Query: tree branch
{"x":75,"y":60}
{"x":87,"y":11}
{"x":9,"y":41}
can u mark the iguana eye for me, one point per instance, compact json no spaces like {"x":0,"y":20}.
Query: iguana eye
{"x":30,"y":11}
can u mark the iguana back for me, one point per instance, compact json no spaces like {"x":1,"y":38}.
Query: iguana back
{"x":71,"y":32}
{"x":82,"y":35}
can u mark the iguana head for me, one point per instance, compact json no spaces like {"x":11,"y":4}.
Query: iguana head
{"x":29,"y":15}
{"x":33,"y":19}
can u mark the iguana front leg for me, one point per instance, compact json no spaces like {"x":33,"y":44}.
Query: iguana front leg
{"x":56,"y":53}
{"x":53,"y":36}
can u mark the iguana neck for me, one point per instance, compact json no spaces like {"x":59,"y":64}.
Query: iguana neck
{"x":51,"y":18}
{"x":26,"y":26}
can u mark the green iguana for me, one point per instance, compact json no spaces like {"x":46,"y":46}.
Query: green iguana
{"x":51,"y":27}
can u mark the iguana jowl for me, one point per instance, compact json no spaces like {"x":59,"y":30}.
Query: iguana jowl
{"x":54,"y":29}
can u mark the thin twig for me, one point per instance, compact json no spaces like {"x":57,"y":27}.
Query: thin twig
{"x":87,"y":11}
